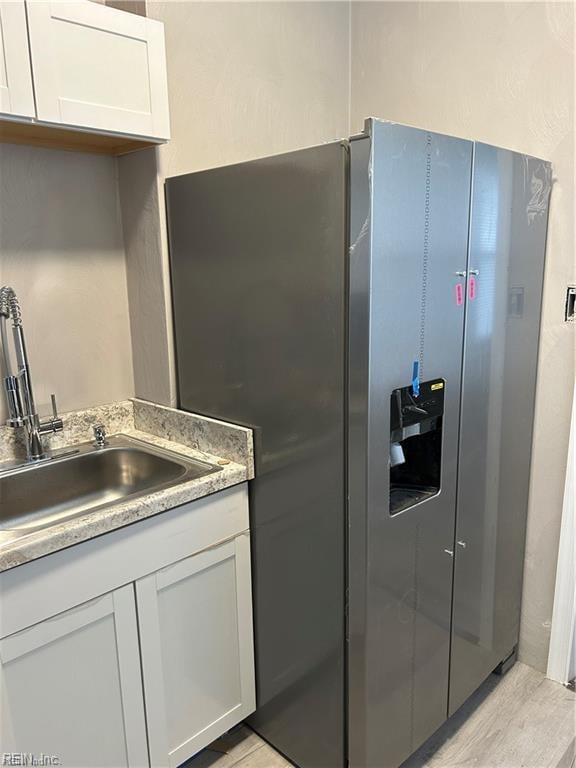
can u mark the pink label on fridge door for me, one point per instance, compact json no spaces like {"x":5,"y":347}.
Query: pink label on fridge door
{"x":459,"y":294}
{"x":472,"y":288}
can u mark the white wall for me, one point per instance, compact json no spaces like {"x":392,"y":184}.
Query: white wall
{"x":245,"y":79}
{"x":562,"y":657}
{"x":502,"y":73}
{"x":61,"y":250}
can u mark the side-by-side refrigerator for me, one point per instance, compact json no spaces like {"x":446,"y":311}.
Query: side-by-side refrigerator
{"x":371,"y":308}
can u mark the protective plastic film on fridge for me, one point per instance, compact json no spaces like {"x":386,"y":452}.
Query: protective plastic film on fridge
{"x":371,"y":309}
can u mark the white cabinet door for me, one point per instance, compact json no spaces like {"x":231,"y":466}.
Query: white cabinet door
{"x":71,"y":686}
{"x":195,"y":621}
{"x":98,"y":68}
{"x":16,"y":94}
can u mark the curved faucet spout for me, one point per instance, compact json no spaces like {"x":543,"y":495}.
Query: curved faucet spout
{"x":18,"y":386}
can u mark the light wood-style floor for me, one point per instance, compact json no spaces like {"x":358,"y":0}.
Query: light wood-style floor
{"x":520,"y":720}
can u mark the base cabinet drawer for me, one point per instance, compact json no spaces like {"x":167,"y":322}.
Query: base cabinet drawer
{"x":195,"y":621}
{"x":70,"y":687}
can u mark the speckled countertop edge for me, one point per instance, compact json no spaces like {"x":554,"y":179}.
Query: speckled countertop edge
{"x":200,"y":432}
{"x":98,"y":521}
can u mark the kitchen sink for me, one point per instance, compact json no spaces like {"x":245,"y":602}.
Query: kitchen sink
{"x":86,"y":478}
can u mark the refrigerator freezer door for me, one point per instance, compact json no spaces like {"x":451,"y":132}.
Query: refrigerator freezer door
{"x":507,"y":244}
{"x":259,"y":284}
{"x":409,"y":233}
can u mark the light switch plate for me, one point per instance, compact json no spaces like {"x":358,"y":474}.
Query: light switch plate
{"x":570,"y":309}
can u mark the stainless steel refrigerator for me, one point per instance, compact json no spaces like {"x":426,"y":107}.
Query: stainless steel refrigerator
{"x":371,"y":308}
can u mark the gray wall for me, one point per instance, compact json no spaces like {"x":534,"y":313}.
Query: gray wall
{"x":61,"y":250}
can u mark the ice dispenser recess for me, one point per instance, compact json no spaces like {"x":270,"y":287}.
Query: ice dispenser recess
{"x":415,"y":444}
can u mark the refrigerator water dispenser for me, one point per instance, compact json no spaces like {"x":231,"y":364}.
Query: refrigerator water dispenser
{"x":415,"y":444}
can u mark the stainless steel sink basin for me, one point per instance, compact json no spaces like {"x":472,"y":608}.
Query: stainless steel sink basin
{"x":35,"y":496}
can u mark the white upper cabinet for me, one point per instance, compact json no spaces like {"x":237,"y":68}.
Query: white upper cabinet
{"x":16,"y":93}
{"x":98,"y":68}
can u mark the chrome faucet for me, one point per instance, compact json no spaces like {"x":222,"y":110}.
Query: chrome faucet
{"x":100,"y":440}
{"x":18,"y":387}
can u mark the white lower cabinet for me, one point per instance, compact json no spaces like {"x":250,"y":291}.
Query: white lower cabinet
{"x":195,"y":623}
{"x":71,"y":686}
{"x":146,"y":674}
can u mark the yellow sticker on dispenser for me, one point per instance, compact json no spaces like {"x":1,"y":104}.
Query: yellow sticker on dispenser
{"x":438,"y":385}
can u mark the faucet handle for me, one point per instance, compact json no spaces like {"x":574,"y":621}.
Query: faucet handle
{"x":99,"y":435}
{"x":54,"y":423}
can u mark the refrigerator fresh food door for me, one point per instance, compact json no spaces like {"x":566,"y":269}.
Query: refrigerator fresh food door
{"x":509,"y":216}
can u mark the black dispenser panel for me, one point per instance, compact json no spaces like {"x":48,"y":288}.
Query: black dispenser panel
{"x":415,"y":444}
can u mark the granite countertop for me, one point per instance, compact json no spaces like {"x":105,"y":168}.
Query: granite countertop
{"x":197,"y":437}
